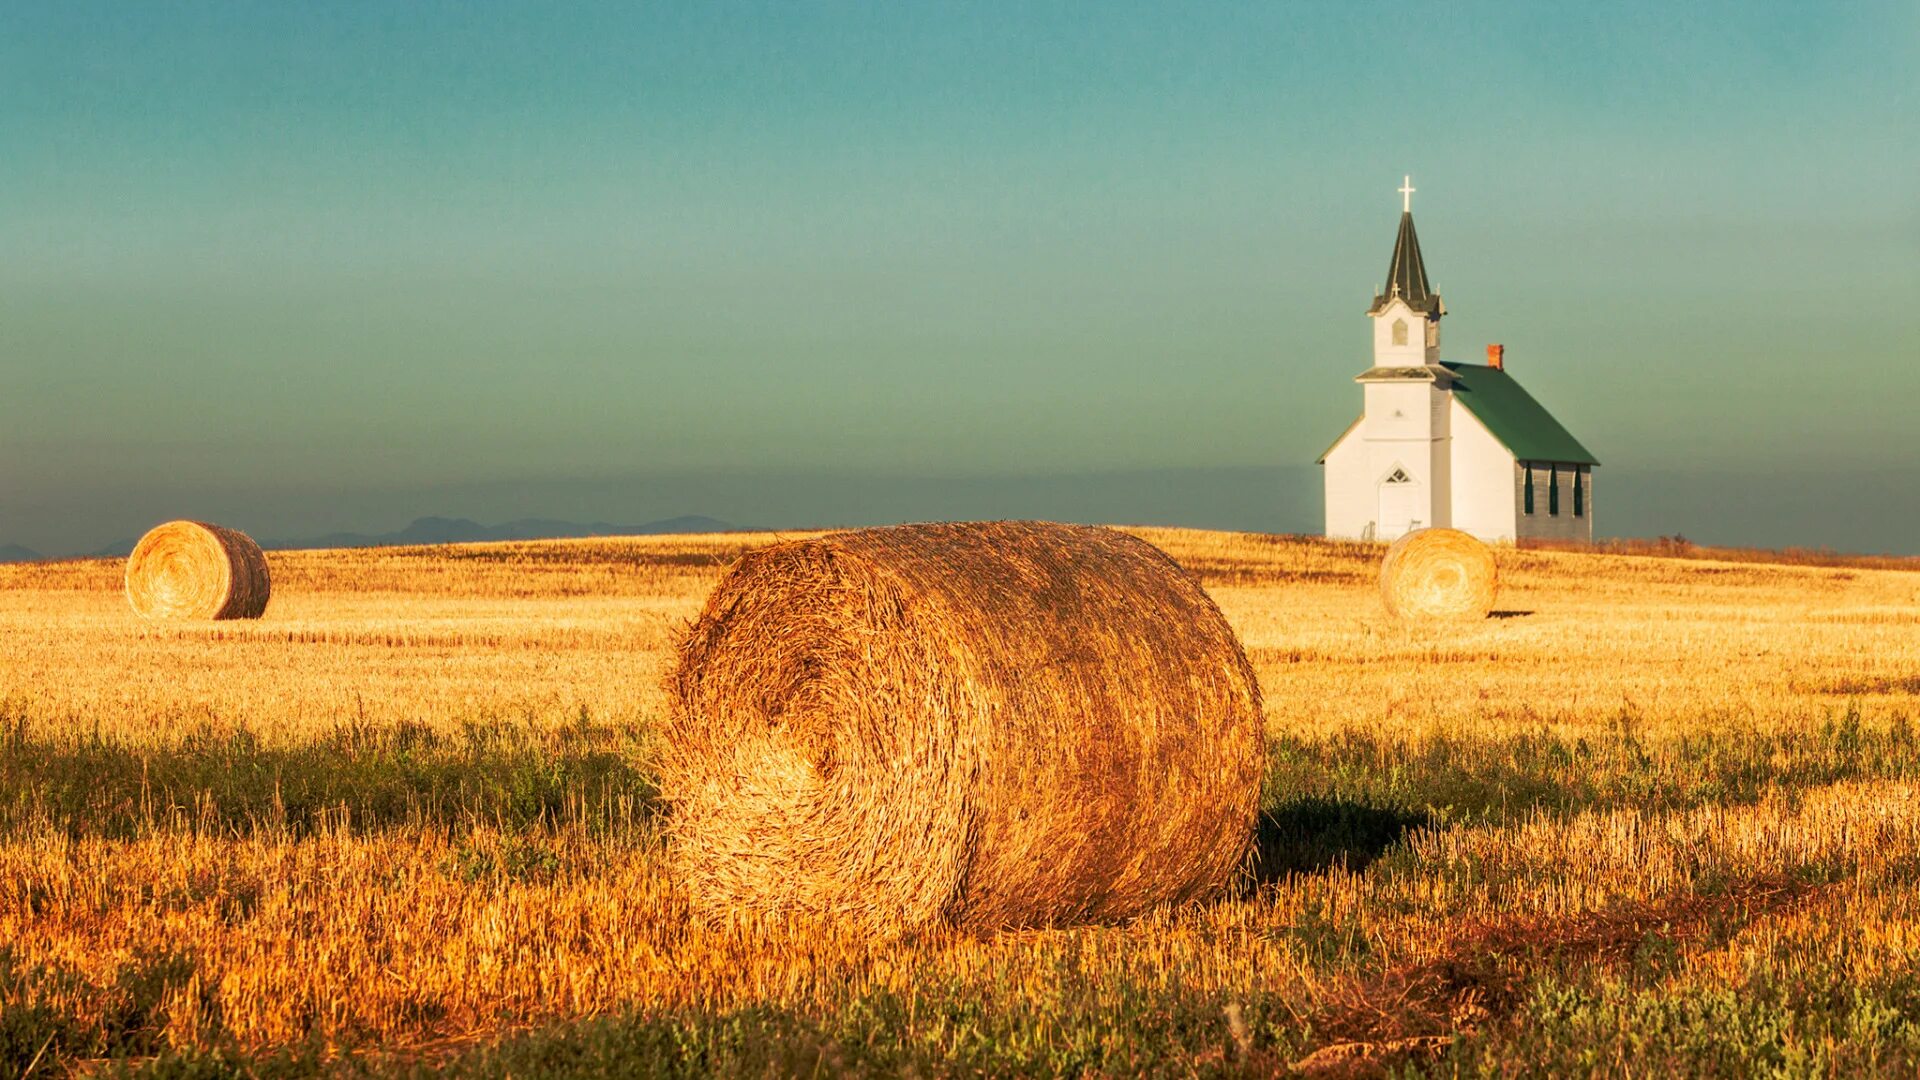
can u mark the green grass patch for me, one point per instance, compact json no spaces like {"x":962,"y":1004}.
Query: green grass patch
{"x":356,"y":776}
{"x":1769,"y":1025}
{"x":1495,"y":780}
{"x":934,"y":1031}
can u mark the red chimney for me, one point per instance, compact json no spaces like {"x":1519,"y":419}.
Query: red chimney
{"x":1497,"y":357}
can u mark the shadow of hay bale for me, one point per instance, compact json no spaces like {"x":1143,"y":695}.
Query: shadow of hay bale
{"x":1311,"y":835}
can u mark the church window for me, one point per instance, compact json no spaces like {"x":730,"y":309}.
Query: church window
{"x":1580,"y":493}
{"x":1399,"y":477}
{"x":1553,"y":490}
{"x":1526,"y":489}
{"x":1399,"y":331}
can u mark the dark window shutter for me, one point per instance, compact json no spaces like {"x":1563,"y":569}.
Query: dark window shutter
{"x":1526,"y":490}
{"x":1579,"y":493}
{"x":1553,"y":490}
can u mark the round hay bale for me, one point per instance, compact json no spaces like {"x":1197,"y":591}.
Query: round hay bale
{"x":191,"y":570}
{"x":988,"y":724}
{"x":1436,"y":574}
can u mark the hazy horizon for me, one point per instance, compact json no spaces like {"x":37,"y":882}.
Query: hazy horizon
{"x":1706,"y":508}
{"x":324,"y":270}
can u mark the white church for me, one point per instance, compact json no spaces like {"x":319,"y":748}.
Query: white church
{"x":1445,"y":444}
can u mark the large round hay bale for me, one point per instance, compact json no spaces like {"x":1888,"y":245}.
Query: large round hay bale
{"x":1436,"y":574}
{"x":191,"y":570}
{"x":991,"y":724}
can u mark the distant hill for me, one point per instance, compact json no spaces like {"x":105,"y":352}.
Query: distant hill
{"x":440,"y":530}
{"x":16,"y":553}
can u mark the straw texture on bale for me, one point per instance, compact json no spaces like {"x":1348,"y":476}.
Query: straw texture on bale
{"x":192,"y":570}
{"x":1439,"y":574}
{"x":988,"y":724}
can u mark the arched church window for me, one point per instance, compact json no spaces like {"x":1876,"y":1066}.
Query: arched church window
{"x":1580,"y":492}
{"x":1526,"y":490}
{"x":1553,"y":490}
{"x":1399,"y":331}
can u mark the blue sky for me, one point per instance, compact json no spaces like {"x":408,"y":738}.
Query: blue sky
{"x":307,"y":267}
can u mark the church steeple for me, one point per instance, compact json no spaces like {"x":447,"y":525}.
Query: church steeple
{"x":1406,"y":271}
{"x":1406,"y":312}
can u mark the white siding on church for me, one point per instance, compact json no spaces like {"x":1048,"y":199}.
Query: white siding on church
{"x":1350,"y":498}
{"x":1404,"y":429}
{"x":1483,"y":491}
{"x":1440,"y":451}
{"x":1398,"y":410}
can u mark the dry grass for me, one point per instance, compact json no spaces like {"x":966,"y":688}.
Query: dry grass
{"x":1679,"y":547}
{"x":1664,"y":816}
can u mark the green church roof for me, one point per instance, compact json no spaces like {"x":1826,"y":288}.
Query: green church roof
{"x":1510,"y":413}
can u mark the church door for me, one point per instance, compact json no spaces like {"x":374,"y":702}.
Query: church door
{"x":1399,"y":506}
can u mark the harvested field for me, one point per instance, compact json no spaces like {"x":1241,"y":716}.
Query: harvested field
{"x":1657,"y":818}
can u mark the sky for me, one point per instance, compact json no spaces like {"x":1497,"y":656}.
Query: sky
{"x":305,"y":268}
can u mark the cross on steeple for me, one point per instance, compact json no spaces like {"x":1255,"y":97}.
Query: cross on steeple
{"x":1406,"y":195}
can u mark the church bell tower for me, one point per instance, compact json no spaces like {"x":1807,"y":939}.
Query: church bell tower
{"x":1406,"y":314}
{"x":1406,"y":423}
